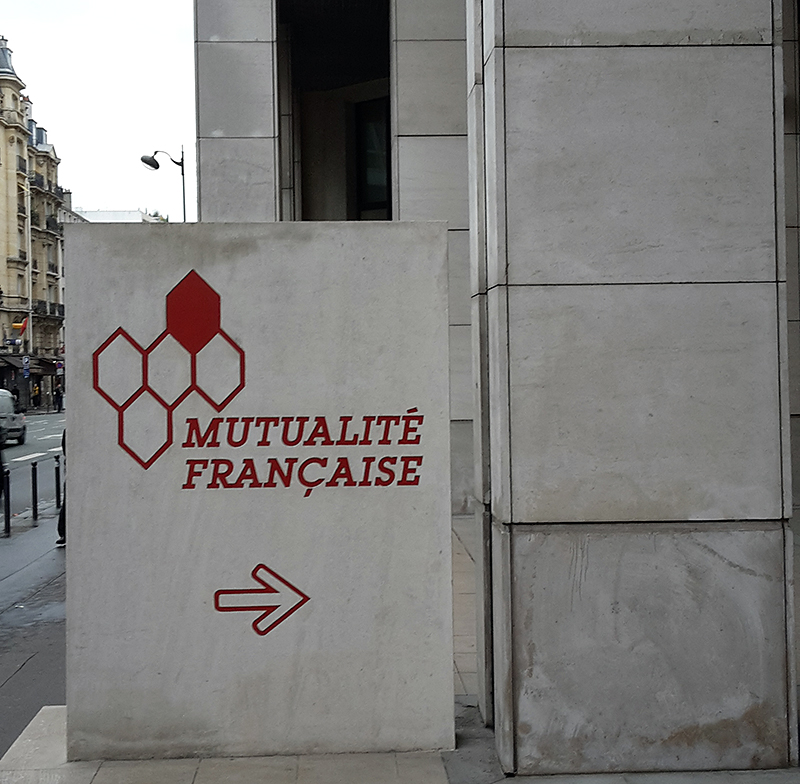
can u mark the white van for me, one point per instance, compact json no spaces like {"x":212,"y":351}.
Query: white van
{"x":12,"y":423}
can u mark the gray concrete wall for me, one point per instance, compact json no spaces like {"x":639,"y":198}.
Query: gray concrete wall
{"x":634,"y":352}
{"x":661,"y":647}
{"x":790,"y":139}
{"x":237,"y":116}
{"x":430,"y":180}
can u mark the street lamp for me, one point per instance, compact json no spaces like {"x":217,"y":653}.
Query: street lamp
{"x":151,"y":163}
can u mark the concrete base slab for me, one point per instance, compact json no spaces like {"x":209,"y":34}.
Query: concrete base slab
{"x":40,"y":755}
{"x":43,"y":746}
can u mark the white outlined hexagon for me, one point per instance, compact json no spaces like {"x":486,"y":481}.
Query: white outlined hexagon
{"x":119,"y":368}
{"x":219,"y":371}
{"x":169,"y":370}
{"x":145,"y":428}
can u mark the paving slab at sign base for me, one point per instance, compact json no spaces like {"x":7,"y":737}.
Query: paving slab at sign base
{"x":38,"y":756}
{"x":260,"y":554}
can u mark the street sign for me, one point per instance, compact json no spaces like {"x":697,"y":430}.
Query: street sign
{"x":273,"y":605}
{"x":59,"y":368}
{"x":179,"y":407}
{"x":26,"y":361}
{"x":26,"y":372}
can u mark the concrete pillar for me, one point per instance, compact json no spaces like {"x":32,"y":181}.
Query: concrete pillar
{"x":790,"y":139}
{"x":633,"y":359}
{"x":429,"y":160}
{"x":236,"y":110}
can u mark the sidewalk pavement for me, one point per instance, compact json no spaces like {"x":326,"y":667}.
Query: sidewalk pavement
{"x":38,"y":756}
{"x":29,"y":556}
{"x":34,"y":410}
{"x":32,"y":579}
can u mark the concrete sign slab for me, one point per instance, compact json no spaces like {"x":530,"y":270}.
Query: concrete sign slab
{"x":259,"y":545}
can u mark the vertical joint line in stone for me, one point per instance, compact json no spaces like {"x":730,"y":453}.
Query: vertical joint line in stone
{"x":198,"y":162}
{"x":502,"y":64}
{"x":511,"y":650}
{"x":509,"y":407}
{"x":787,"y":505}
{"x":779,"y":209}
{"x":791,"y":673}
{"x":777,"y":147}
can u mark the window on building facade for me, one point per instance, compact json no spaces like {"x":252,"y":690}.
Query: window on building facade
{"x":333,"y":99}
{"x":372,"y":159}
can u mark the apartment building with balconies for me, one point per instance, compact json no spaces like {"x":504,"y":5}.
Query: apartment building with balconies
{"x":32,"y":208}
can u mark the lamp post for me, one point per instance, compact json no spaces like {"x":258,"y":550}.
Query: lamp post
{"x":29,"y":253}
{"x":151,"y":163}
{"x":28,"y":342}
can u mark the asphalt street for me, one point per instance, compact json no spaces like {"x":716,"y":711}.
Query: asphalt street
{"x":42,"y":445}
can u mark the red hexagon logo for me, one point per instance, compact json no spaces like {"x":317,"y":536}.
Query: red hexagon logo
{"x":193,"y":317}
{"x":193,"y":312}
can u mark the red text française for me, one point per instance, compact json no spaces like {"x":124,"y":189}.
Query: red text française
{"x":303,"y":471}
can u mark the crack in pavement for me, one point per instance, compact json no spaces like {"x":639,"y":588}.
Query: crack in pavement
{"x":18,"y":669}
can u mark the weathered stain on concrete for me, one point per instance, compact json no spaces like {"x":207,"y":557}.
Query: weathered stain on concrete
{"x":649,"y":647}
{"x":757,"y":725}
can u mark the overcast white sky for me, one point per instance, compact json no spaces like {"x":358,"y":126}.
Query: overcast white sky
{"x":111,"y":82}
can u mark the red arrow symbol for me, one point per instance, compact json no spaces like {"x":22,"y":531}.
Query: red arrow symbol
{"x":266,"y":600}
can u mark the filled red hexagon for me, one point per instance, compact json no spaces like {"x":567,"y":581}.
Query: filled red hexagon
{"x":118,"y":367}
{"x":219,"y":371}
{"x":193,"y":313}
{"x":145,"y":429}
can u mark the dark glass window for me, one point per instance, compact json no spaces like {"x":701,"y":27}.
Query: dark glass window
{"x":372,"y":159}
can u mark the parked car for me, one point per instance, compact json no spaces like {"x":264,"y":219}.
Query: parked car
{"x":12,"y":420}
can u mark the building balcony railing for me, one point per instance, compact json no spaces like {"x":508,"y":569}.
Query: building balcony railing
{"x":22,"y":164}
{"x":52,"y":224}
{"x":21,"y":209}
{"x":11,"y":116}
{"x":35,"y":265}
{"x":42,"y":308}
{"x":35,"y":218}
{"x":38,"y":181}
{"x":52,"y":269}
